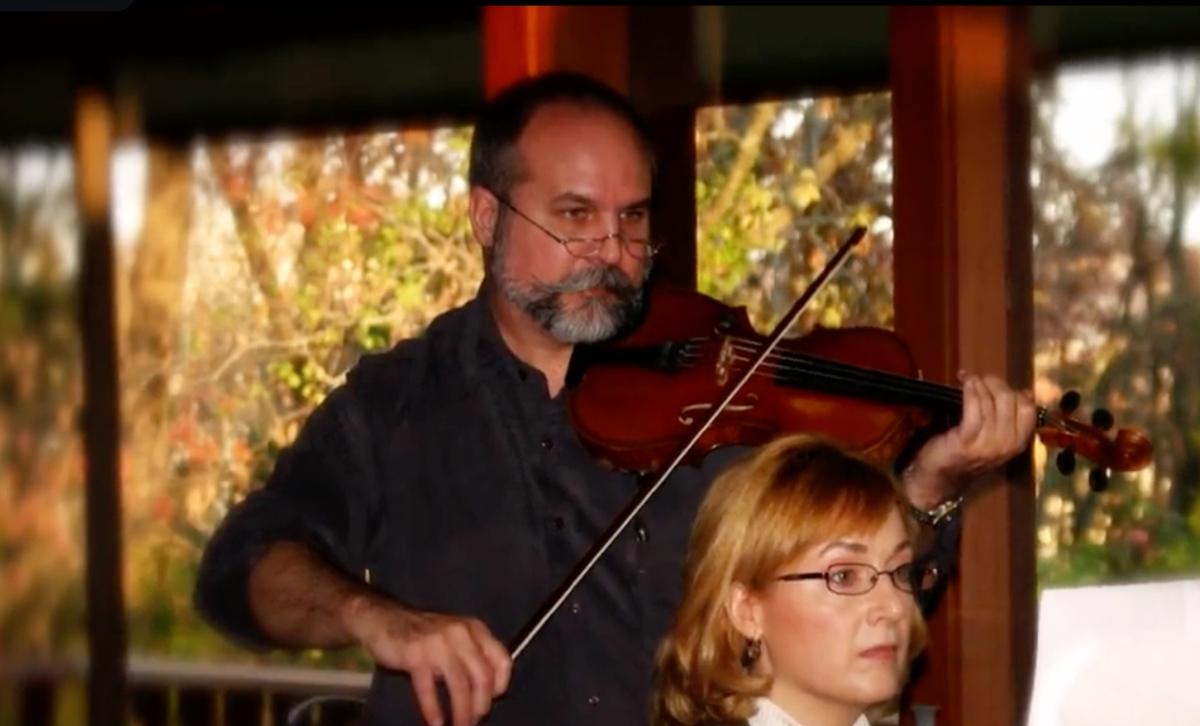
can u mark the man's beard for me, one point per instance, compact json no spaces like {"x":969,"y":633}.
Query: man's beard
{"x":592,"y":320}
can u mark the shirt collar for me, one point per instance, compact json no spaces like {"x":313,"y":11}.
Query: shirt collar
{"x":483,"y":350}
{"x":768,"y":713}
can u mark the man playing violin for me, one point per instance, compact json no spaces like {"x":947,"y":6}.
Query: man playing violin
{"x":435,"y":501}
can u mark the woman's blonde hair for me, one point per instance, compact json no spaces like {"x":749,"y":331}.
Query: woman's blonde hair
{"x":760,"y":514}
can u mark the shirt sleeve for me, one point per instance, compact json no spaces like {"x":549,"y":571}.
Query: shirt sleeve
{"x":319,"y":494}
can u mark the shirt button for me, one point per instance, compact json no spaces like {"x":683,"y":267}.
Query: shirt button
{"x":547,"y":444}
{"x":575,"y":608}
{"x":593,"y":700}
{"x":559,"y":523}
{"x":641,"y":533}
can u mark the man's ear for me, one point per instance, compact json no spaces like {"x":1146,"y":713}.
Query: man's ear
{"x":483,"y":210}
{"x":745,"y":611}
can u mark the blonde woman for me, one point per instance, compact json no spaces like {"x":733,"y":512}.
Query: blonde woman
{"x":799,"y":606}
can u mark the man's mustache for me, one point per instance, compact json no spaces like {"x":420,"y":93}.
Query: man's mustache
{"x":608,"y":276}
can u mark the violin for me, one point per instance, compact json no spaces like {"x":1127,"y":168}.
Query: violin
{"x":635,"y":401}
{"x":692,"y":375}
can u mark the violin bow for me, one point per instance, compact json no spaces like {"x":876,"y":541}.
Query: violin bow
{"x":639,"y":502}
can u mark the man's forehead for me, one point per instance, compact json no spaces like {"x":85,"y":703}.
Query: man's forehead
{"x":561,"y":125}
{"x":565,"y":111}
{"x":571,"y":148}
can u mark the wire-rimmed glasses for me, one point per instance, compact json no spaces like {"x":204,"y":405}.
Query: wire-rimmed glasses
{"x":859,"y":578}
{"x":585,"y":247}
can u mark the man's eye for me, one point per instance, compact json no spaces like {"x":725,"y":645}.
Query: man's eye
{"x":634,"y":215}
{"x":575,"y":213}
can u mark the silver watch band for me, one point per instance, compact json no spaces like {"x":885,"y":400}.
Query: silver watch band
{"x":940,"y":513}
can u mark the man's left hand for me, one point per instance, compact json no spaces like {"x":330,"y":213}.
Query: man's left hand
{"x":996,"y":425}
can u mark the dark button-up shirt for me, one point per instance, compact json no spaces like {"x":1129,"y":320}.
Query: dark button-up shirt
{"x":444,"y":470}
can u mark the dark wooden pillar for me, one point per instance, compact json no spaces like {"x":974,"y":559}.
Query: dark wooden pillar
{"x":36,"y":700}
{"x":960,"y":83}
{"x":94,"y":132}
{"x":664,"y":86}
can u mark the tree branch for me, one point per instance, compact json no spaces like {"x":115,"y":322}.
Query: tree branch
{"x":748,"y":149}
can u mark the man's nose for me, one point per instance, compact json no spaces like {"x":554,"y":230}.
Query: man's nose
{"x":612,"y":246}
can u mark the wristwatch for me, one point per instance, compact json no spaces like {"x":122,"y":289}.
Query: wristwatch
{"x":934,"y":517}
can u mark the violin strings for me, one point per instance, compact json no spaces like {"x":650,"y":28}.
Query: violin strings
{"x":846,"y":373}
{"x":882,"y":382}
{"x":838,"y":372}
{"x":856,"y":374}
{"x":843,"y":373}
{"x":823,"y":379}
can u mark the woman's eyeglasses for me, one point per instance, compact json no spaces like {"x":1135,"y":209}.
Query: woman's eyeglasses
{"x":859,"y":578}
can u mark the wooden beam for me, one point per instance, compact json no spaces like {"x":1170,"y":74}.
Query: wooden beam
{"x":999,"y":582}
{"x":960,"y":80}
{"x":925,"y":279}
{"x":524,"y":40}
{"x":664,"y":86}
{"x":94,"y":123}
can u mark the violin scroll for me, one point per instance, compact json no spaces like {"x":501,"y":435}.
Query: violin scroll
{"x":1127,"y":450}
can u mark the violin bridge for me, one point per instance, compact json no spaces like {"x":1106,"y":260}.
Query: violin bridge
{"x":725,"y":360}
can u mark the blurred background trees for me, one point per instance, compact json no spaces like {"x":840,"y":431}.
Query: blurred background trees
{"x":779,"y":187}
{"x":41,"y":501}
{"x":264,"y":270}
{"x":1116,"y":314}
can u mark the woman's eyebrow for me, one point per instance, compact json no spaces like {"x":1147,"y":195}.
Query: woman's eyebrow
{"x":844,"y":544}
{"x":859,"y":547}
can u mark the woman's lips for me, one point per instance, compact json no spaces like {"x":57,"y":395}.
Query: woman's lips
{"x":879,"y":652}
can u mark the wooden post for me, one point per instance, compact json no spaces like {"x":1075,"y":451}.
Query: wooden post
{"x":664,"y":86}
{"x":523,"y":40}
{"x":960,"y":83}
{"x":94,"y":132}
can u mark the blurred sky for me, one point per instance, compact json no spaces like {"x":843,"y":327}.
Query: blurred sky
{"x":1092,"y":98}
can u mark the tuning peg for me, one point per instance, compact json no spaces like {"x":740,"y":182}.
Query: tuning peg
{"x":1098,"y":479}
{"x":1069,"y":401}
{"x":1065,"y":462}
{"x":1102,"y":419}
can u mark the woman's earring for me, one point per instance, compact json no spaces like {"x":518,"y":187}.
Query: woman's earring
{"x":752,"y":653}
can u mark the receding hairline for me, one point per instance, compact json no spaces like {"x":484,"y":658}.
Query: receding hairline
{"x":517,"y":168}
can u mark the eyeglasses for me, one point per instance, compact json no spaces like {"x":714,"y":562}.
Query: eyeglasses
{"x":860,"y":578}
{"x":639,"y":247}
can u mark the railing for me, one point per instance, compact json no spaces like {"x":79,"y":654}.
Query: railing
{"x":171,"y":693}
